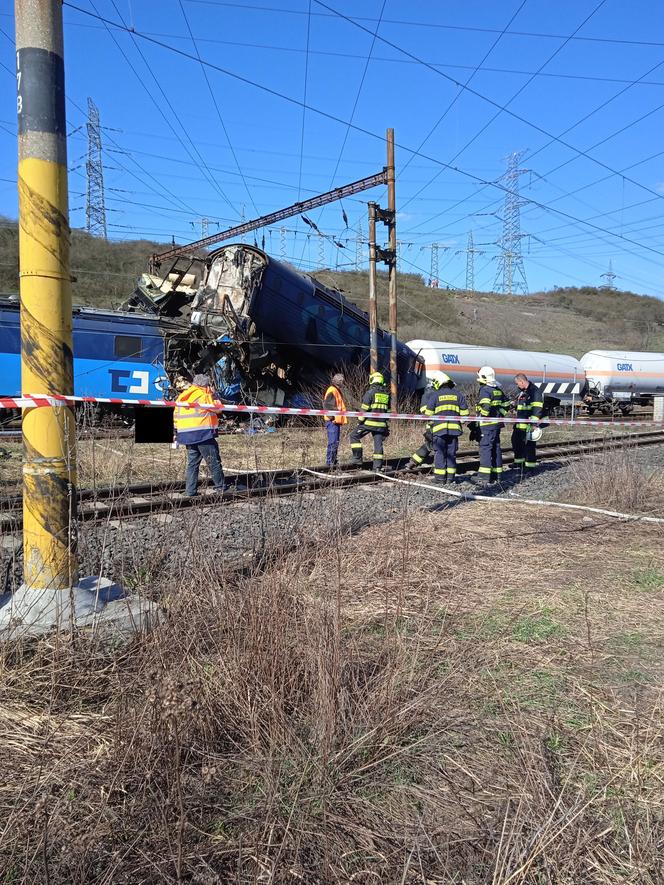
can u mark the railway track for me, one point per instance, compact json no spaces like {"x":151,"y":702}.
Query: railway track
{"x":145,"y":499}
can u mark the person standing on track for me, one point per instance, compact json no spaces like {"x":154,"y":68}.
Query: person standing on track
{"x":375,"y":399}
{"x":197,"y":430}
{"x":425,"y":455}
{"x":334,"y":401}
{"x":491,"y":407}
{"x":447,"y":406}
{"x":529,"y":407}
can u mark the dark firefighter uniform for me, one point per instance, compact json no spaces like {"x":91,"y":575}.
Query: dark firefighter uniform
{"x":529,"y":406}
{"x":448,"y":407}
{"x":424,"y":455}
{"x":491,"y":407}
{"x":375,"y":399}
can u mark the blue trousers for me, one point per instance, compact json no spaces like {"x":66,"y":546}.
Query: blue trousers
{"x":445,"y":449}
{"x":491,"y":455}
{"x":208,"y":450}
{"x":333,"y":434}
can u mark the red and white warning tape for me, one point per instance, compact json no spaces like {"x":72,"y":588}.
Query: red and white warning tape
{"x":41,"y":400}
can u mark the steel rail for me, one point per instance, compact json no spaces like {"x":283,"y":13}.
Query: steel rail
{"x":145,"y":499}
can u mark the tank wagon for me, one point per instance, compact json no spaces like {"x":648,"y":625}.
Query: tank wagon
{"x":622,"y":377}
{"x":266,"y":327}
{"x":560,"y":377}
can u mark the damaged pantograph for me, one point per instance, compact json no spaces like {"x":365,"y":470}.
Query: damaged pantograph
{"x":269,"y":333}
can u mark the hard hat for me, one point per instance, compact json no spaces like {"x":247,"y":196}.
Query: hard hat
{"x":437,"y":379}
{"x":376,"y":378}
{"x":486,"y":375}
{"x":535,"y":434}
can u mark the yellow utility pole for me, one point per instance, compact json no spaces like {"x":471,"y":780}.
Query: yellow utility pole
{"x":49,"y":459}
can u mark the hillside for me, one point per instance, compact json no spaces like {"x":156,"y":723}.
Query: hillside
{"x":566,"y":320}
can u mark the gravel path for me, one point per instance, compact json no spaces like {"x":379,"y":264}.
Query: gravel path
{"x":152,"y":549}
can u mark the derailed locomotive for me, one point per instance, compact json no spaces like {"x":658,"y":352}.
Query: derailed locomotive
{"x":269,"y":333}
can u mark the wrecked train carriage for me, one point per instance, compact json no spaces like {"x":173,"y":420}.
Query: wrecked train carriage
{"x":270,"y":330}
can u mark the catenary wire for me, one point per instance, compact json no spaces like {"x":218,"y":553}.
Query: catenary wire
{"x":217,"y":108}
{"x":486,"y":98}
{"x":368,"y":132}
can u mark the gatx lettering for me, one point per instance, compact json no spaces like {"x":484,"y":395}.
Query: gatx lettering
{"x":625,"y":367}
{"x":451,"y":359}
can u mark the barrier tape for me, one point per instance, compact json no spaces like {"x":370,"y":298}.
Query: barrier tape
{"x":43,"y":400}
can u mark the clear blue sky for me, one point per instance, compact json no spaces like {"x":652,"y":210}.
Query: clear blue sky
{"x":167,"y":167}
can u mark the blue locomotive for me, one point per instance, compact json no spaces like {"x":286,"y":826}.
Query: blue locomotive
{"x":115,"y":354}
{"x":267,"y":325}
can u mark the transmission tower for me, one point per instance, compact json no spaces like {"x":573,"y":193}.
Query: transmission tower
{"x":609,"y":276}
{"x":511,"y":275}
{"x":321,"y":250}
{"x":95,"y":207}
{"x":282,"y":243}
{"x":470,"y":252}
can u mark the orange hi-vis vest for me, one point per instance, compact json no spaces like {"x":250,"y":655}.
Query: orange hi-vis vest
{"x":339,"y":404}
{"x":193,"y":425}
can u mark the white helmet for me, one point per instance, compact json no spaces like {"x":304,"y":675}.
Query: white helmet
{"x":486,"y":375}
{"x":535,"y":434}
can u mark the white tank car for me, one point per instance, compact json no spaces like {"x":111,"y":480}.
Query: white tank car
{"x":558,"y":375}
{"x":621,"y":374}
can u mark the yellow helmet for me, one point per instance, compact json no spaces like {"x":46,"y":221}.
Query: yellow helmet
{"x":376,"y":378}
{"x":437,"y":379}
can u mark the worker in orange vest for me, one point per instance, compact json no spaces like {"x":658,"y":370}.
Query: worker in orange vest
{"x":334,"y":401}
{"x":197,"y":429}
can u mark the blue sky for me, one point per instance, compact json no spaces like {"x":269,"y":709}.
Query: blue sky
{"x":589,"y":73}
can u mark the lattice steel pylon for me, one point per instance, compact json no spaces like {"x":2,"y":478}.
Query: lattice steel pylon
{"x":609,"y":278}
{"x":470,"y":252}
{"x":95,"y":206}
{"x":511,"y":274}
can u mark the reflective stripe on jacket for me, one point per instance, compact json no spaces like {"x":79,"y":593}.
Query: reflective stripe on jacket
{"x":375,"y":399}
{"x":191,"y":425}
{"x":529,"y":405}
{"x":491,"y":405}
{"x":334,"y":400}
{"x":447,"y":404}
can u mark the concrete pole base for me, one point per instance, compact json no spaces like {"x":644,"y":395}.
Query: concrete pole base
{"x":94,"y":603}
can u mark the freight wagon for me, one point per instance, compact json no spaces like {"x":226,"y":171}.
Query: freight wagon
{"x":622,"y":377}
{"x":559,"y":377}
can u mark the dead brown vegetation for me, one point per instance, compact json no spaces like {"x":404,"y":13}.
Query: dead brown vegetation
{"x":440,"y":700}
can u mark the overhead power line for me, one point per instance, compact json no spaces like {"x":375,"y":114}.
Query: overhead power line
{"x":216,"y":107}
{"x":368,"y":132}
{"x":437,"y":25}
{"x":486,"y":98}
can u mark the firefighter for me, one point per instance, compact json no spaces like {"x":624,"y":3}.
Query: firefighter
{"x":375,"y":399}
{"x":197,"y":430}
{"x":447,"y":406}
{"x":491,"y":407}
{"x":424,"y":455}
{"x":529,"y":407}
{"x":334,"y":401}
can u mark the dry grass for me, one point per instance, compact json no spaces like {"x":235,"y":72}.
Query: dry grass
{"x":444,"y":699}
{"x":617,"y":480}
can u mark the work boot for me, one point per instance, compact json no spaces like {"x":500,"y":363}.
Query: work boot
{"x":412,"y":465}
{"x":439,"y":478}
{"x":378,"y":468}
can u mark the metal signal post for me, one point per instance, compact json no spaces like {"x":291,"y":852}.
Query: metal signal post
{"x":391,"y":222}
{"x":49,"y":479}
{"x":389,"y":257}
